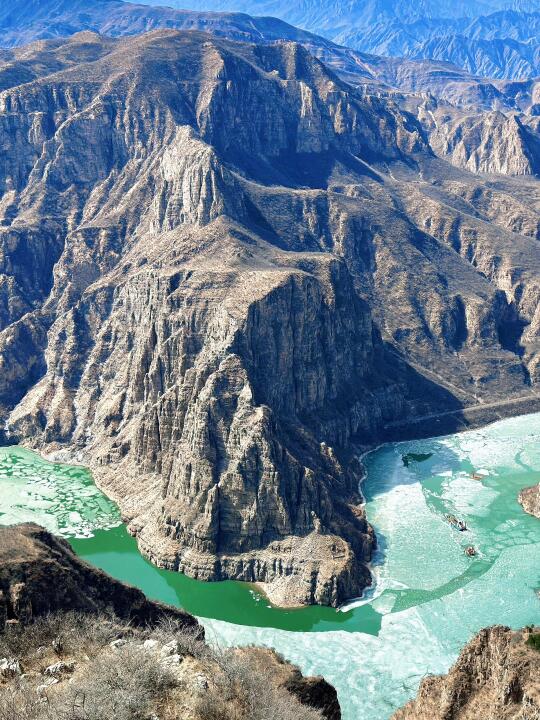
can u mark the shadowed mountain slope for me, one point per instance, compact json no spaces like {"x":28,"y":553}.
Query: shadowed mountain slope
{"x":222,"y":268}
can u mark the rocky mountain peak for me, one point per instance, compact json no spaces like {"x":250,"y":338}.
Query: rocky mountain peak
{"x":222,"y":267}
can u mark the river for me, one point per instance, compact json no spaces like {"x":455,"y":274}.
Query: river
{"x":428,"y":599}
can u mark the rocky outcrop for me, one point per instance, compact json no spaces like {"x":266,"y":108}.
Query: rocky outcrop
{"x":492,"y":142}
{"x":529,"y":498}
{"x":314,"y":692}
{"x":228,"y":306}
{"x":70,"y":631}
{"x":40,"y":574}
{"x":496,"y":675}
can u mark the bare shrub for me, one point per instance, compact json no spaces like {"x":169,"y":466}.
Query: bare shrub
{"x":189,"y":641}
{"x":66,"y":632}
{"x":240,"y":692}
{"x":123,"y":685}
{"x":130,"y":682}
{"x":17,"y":705}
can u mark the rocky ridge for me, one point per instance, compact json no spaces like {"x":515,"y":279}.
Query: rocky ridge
{"x":496,"y":675}
{"x":530,"y":500}
{"x":113,"y":18}
{"x":74,"y":641}
{"x":218,"y":309}
{"x":41,"y":575}
{"x":495,"y":39}
{"x":443,"y":94}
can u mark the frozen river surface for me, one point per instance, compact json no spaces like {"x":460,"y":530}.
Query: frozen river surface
{"x":428,"y":599}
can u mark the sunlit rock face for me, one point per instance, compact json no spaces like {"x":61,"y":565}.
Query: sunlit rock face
{"x":530,"y":500}
{"x":222,"y":266}
{"x":496,"y":674}
{"x":427,"y":587}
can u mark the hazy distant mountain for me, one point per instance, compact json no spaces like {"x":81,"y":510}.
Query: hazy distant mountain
{"x":330,"y":14}
{"x":494,"y":39}
{"x":502,"y":45}
{"x":27,"y":22}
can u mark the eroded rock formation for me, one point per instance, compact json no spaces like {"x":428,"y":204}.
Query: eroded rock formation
{"x":530,"y":500}
{"x":497,"y":675}
{"x":222,"y":266}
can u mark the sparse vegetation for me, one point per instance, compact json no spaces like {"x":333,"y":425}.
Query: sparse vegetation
{"x":118,"y":672}
{"x":241,"y":692}
{"x":534,"y":641}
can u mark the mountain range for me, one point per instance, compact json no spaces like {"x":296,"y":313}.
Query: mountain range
{"x":226,"y":268}
{"x":491,"y":39}
{"x":449,"y":102}
{"x":27,"y":22}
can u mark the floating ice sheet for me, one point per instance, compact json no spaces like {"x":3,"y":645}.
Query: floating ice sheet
{"x":62,"y":498}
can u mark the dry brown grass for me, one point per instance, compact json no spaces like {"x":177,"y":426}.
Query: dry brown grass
{"x":239,"y":691}
{"x":130,"y":682}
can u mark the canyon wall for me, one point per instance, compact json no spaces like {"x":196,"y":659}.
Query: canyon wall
{"x":222,"y":270}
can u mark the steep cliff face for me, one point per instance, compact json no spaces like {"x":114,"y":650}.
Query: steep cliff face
{"x":238,"y":266}
{"x":496,"y":675}
{"x":491,"y":142}
{"x":184,"y":349}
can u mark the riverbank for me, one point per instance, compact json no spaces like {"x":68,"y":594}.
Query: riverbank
{"x":428,"y":599}
{"x":284,"y":589}
{"x":431,"y":597}
{"x":88,"y":645}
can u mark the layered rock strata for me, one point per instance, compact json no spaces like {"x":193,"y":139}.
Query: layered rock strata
{"x":497,"y":675}
{"x":222,"y":269}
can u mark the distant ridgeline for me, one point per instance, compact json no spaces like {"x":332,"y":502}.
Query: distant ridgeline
{"x":497,"y":39}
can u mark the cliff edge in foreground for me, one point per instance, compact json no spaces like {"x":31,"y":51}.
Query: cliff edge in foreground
{"x":40,"y":574}
{"x":497,"y":676}
{"x":76,"y":643}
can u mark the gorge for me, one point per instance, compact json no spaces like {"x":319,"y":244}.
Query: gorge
{"x":425,"y":587}
{"x":209,"y":332}
{"x":265,"y":302}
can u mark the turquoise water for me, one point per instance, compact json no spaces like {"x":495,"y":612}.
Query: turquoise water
{"x":61,"y":497}
{"x":432,"y":597}
{"x":428,"y":597}
{"x":115,"y":551}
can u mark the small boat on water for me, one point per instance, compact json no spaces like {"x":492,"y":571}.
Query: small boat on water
{"x":475,"y":476}
{"x":470,"y":551}
{"x":458,"y":524}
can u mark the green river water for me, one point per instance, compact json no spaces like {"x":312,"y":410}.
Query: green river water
{"x":428,"y":597}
